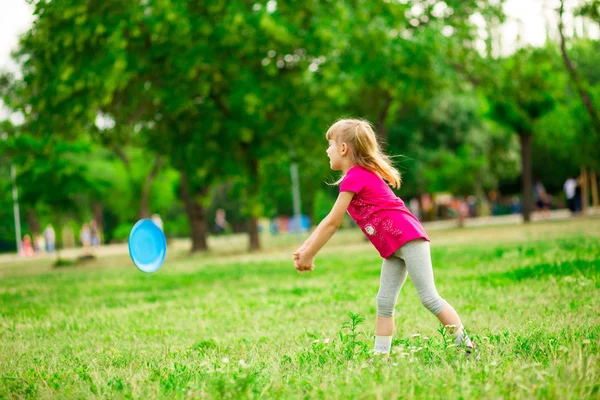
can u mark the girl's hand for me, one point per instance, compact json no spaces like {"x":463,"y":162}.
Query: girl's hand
{"x":303,"y":262}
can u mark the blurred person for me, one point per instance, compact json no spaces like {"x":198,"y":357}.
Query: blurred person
{"x":157,"y":220}
{"x":36,"y":242}
{"x":541,"y":197}
{"x":415,"y":209}
{"x":27,"y":247}
{"x":472,"y":206}
{"x":427,"y":207}
{"x":397,"y":234}
{"x":570,"y":187}
{"x":221,"y":223}
{"x":85,"y":237}
{"x":50,"y":237}
{"x":515,"y":205}
{"x":94,"y":234}
{"x":40,"y":243}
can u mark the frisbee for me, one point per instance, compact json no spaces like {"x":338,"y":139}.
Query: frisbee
{"x":147,"y":246}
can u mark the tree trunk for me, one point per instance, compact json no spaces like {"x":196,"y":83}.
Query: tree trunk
{"x":594,"y":188}
{"x":585,"y":96}
{"x":99,"y":218}
{"x":196,"y":216}
{"x":254,"y":239}
{"x":145,"y":198}
{"x":33,"y":223}
{"x":484,"y":208}
{"x":253,"y":233}
{"x":584,"y":190}
{"x":58,"y":234}
{"x":380,"y":127}
{"x":526,"y":173}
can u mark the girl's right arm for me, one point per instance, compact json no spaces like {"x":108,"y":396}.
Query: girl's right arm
{"x":326,"y":228}
{"x":314,"y":234}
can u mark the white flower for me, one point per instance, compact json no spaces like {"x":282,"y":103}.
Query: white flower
{"x":225,"y":360}
{"x":415,"y":335}
{"x":326,"y":340}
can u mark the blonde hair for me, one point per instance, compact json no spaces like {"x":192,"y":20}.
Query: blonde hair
{"x":359,"y":135}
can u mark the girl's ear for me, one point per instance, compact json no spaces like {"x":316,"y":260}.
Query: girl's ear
{"x":344,"y":149}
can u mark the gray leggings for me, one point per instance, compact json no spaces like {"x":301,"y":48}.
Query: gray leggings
{"x":412,"y":258}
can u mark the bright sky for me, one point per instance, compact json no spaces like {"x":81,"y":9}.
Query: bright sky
{"x":527,"y":17}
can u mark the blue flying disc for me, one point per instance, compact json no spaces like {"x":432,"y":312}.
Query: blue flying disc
{"x":147,"y":246}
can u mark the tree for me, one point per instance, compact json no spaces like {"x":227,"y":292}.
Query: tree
{"x":522,"y":94}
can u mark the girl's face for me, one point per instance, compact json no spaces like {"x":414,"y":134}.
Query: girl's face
{"x":335,"y":154}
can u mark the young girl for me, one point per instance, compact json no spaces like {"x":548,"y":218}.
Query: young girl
{"x":384,"y":219}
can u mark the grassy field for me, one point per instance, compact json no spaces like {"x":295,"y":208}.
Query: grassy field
{"x":247,"y":326}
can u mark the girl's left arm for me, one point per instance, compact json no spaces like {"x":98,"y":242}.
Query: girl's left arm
{"x":326,"y":228}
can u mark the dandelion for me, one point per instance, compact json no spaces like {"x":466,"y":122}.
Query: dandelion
{"x":243,"y":364}
{"x":225,"y":360}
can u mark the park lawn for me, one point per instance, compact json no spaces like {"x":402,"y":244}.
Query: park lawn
{"x":223,"y":326}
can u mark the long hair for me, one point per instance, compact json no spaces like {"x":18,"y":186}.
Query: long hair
{"x":359,"y":135}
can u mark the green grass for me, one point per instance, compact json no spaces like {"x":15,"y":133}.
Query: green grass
{"x":227,"y":326}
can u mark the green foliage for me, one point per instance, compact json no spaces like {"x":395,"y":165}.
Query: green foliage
{"x":524,"y":89}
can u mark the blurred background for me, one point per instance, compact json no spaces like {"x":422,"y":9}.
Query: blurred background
{"x":209,"y":117}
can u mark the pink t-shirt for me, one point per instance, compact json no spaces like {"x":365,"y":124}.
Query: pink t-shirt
{"x":380,"y":214}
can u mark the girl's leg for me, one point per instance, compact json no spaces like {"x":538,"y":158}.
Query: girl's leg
{"x":393,"y":276}
{"x":417,"y":258}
